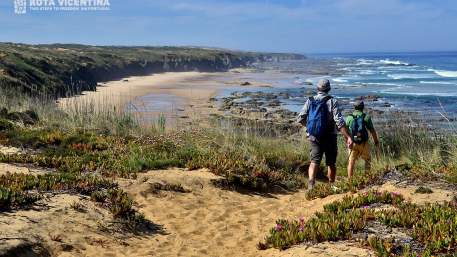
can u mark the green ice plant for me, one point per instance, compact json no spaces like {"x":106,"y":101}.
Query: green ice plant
{"x":434,"y":225}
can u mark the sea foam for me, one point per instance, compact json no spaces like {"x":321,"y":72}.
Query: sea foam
{"x":445,"y":73}
{"x":438,"y":82}
{"x":393,"y":62}
{"x":408,"y":76}
{"x":340,"y":80}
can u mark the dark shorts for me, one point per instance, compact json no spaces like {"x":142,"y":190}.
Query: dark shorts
{"x":327,"y":146}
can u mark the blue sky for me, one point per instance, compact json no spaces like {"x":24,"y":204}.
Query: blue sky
{"x":304,"y":26}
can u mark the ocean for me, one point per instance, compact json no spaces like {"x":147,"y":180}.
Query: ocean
{"x":421,"y":84}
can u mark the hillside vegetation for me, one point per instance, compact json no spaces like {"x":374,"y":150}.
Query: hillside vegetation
{"x":64,"y":70}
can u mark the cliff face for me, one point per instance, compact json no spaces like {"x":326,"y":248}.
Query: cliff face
{"x":64,"y":70}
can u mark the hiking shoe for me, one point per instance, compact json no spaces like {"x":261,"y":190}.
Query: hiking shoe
{"x":311,"y":184}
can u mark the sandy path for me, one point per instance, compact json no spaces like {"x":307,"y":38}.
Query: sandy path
{"x":213,"y":222}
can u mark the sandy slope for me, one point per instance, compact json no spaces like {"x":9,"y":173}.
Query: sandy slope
{"x":207,"y":221}
{"x":213,"y":222}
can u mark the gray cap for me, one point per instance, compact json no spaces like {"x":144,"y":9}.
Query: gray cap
{"x":359,"y":105}
{"x":323,"y":85}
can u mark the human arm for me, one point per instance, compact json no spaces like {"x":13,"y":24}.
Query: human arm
{"x":303,"y":115}
{"x":370,"y":128}
{"x":341,"y":123}
{"x":344,"y":130}
{"x":337,"y":116}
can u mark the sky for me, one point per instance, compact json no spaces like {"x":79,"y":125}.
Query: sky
{"x":301,"y":26}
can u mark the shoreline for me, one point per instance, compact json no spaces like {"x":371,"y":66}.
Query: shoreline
{"x":178,"y":96}
{"x":170,"y":94}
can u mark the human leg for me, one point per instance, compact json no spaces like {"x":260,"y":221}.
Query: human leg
{"x":331,"y":154}
{"x":366,"y":155}
{"x":331,"y":173}
{"x":316,"y":154}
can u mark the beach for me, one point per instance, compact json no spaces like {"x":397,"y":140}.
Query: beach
{"x":171,"y":94}
{"x":178,"y":96}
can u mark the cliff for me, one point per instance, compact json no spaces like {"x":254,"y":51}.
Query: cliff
{"x":64,"y":70}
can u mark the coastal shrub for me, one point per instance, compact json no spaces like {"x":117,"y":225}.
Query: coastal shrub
{"x":119,"y":203}
{"x":12,"y":198}
{"x":433,"y":226}
{"x":423,"y":190}
{"x":15,"y":193}
{"x":358,"y":182}
{"x":88,"y":152}
{"x":121,"y":207}
{"x":77,"y":206}
{"x":70,"y":182}
{"x":247,"y":160}
{"x":157,"y":187}
{"x":98,"y":196}
{"x":5,"y":125}
{"x":254,"y":163}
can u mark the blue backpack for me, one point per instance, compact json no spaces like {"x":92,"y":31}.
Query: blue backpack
{"x":318,"y":124}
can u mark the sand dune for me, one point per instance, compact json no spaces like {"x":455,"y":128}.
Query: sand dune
{"x":207,"y":221}
{"x":214,"y":222}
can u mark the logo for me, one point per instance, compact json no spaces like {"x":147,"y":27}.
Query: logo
{"x":20,"y":6}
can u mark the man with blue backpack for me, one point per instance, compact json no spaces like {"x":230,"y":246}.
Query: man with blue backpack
{"x":359,"y":124}
{"x":322,"y":118}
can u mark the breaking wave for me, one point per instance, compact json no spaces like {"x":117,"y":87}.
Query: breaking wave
{"x":394,"y":62}
{"x":408,"y":76}
{"x":339,"y":80}
{"x":438,"y":82}
{"x":445,"y":73}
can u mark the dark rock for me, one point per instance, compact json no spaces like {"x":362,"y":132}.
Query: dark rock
{"x":274,"y":103}
{"x":368,"y":98}
{"x":284,"y":95}
{"x":246,"y":83}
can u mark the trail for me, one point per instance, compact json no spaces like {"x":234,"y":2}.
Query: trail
{"x":214,"y":222}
